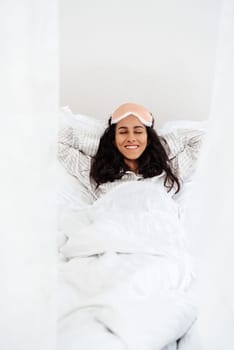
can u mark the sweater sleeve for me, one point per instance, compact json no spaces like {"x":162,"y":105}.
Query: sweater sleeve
{"x":75,"y":154}
{"x":86,"y":142}
{"x":183,"y":147}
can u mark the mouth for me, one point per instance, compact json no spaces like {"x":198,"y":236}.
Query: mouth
{"x":131,"y":147}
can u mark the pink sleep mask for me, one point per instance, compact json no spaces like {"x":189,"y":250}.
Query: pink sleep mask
{"x":127,"y":109}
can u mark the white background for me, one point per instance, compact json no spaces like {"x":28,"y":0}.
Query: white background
{"x":157,"y":53}
{"x":28,"y":134}
{"x":190,"y":82}
{"x":210,"y":218}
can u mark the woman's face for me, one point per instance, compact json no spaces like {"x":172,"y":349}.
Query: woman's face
{"x":131,"y":139}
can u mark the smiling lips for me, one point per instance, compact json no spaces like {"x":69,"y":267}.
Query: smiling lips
{"x":131,"y":146}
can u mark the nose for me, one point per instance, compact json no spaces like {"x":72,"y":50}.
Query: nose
{"x":131,"y":137}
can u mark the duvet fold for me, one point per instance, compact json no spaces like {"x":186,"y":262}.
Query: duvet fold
{"x":126,"y":282}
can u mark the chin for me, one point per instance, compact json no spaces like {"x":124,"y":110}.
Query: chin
{"x":132,"y":157}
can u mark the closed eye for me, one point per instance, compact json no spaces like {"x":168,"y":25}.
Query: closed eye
{"x":136,"y":132}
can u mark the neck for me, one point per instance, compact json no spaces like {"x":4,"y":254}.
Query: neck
{"x":132,"y":164}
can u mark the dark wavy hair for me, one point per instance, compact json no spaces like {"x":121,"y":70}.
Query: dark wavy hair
{"x":108,"y":163}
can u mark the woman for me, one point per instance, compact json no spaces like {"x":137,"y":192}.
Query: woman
{"x":131,"y":144}
{"x":98,"y":164}
{"x":127,"y":266}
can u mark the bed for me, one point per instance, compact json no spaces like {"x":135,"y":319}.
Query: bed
{"x":119,"y":291}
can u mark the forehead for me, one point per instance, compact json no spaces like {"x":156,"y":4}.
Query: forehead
{"x":130,"y":121}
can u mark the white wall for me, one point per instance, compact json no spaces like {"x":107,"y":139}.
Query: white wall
{"x":157,"y":53}
{"x":28,"y":134}
{"x":210,"y":209}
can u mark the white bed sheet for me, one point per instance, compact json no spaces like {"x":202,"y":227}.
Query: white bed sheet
{"x":133,"y":275}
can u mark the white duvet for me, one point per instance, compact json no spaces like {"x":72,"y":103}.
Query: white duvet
{"x":126,"y":282}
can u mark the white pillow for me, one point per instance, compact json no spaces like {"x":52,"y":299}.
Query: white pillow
{"x":182,"y":124}
{"x":71,"y":199}
{"x":97,"y":126}
{"x":82,"y":122}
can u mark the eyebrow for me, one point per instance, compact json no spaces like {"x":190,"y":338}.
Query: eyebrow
{"x":125,"y":127}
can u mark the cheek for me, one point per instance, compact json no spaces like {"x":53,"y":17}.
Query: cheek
{"x":145,"y":140}
{"x":116,"y":142}
{"x":119,"y":139}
